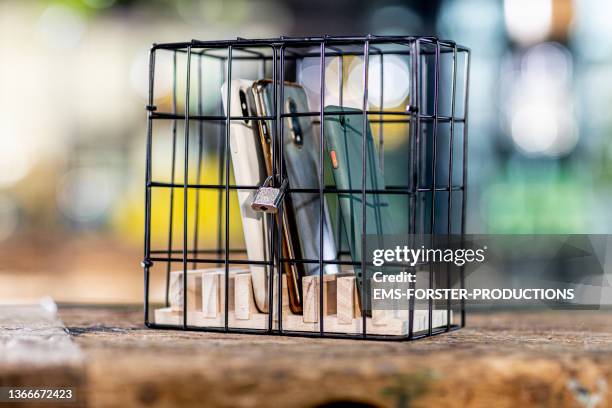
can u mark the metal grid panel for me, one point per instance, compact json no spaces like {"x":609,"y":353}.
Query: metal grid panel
{"x":272,"y":57}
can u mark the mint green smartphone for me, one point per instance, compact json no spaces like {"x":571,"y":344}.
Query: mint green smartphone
{"x":344,"y":142}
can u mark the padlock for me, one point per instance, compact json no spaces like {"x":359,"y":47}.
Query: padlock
{"x":268,"y":199}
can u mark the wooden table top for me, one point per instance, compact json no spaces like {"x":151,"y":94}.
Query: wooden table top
{"x":550,"y":358}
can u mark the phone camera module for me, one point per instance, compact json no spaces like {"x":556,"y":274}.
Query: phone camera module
{"x":266,"y":134}
{"x":244,"y":106}
{"x":294,"y":123}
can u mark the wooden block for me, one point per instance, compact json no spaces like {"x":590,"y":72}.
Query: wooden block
{"x":244,"y":303}
{"x":346,"y":299}
{"x":310,"y":293}
{"x":356,"y":295}
{"x":394,"y":327}
{"x":384,"y":310}
{"x":194,"y":290}
{"x":340,"y":306}
{"x":330,"y":293}
{"x":211,"y":295}
{"x":380,"y":317}
{"x":230,"y":291}
{"x":175,"y":290}
{"x":170,"y":317}
{"x":176,"y":286}
{"x":357,"y":303}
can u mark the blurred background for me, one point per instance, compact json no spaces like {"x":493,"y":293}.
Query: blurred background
{"x":73,"y":85}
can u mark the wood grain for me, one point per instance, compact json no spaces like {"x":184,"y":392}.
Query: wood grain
{"x":211,"y":299}
{"x":345,"y":299}
{"x":311,"y":292}
{"x":547,"y":359}
{"x":194,"y":290}
{"x":243,"y":297}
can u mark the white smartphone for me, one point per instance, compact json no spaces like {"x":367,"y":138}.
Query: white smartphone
{"x":249,"y":170}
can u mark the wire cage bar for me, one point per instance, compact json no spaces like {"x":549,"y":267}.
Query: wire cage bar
{"x":409,"y":93}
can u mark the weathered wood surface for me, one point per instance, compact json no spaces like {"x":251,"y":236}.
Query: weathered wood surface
{"x":36,"y":351}
{"x":544,"y":359}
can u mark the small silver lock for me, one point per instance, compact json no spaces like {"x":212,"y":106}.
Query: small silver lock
{"x":268,"y":199}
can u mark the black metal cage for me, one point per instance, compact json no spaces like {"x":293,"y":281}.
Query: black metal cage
{"x":414,"y":93}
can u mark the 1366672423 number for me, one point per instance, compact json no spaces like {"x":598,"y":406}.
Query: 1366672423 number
{"x":15,"y":394}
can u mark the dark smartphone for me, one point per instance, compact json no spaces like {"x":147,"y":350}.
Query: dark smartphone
{"x":301,"y":146}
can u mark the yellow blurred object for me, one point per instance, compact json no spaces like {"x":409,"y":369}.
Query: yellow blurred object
{"x":128,"y":219}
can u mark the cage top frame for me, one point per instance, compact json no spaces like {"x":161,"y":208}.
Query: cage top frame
{"x":283,"y":41}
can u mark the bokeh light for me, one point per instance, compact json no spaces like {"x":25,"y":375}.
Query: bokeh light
{"x":61,"y":26}
{"x":538,"y":101}
{"x":392,"y":72}
{"x":84,"y":195}
{"x":15,"y":158}
{"x":396,"y":84}
{"x":539,"y":128}
{"x":528,"y":21}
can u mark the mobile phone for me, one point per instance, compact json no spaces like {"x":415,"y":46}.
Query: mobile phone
{"x":344,"y":146}
{"x":300,"y":146}
{"x":249,"y":170}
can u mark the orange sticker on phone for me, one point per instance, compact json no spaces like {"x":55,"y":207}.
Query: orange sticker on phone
{"x":334,"y":159}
